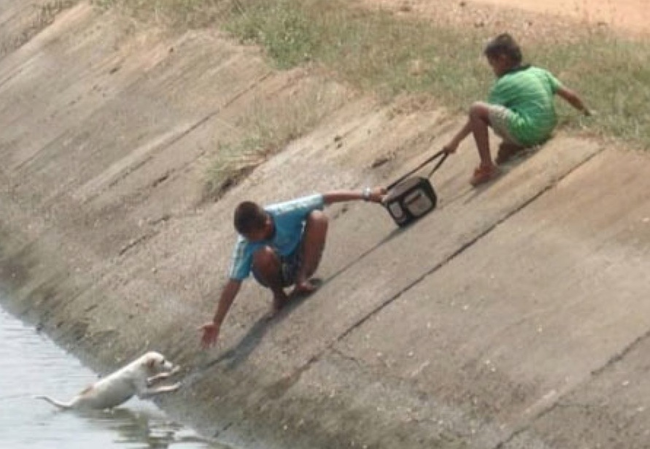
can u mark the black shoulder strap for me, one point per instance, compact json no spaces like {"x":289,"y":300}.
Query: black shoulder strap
{"x":440,"y":153}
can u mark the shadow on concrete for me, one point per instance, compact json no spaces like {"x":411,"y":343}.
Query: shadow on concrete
{"x":473,"y":193}
{"x":239,"y":353}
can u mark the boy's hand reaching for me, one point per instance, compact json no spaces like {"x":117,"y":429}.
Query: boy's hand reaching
{"x":210,"y":335}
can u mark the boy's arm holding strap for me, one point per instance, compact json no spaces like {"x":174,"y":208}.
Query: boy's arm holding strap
{"x":375,"y":195}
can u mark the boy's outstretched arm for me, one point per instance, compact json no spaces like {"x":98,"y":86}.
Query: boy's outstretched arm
{"x":375,"y":195}
{"x":573,"y":99}
{"x":211,"y":330}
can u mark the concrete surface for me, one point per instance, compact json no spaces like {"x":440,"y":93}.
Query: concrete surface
{"x":513,"y":316}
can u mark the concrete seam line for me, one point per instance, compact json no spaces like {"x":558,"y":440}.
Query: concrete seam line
{"x":189,"y":129}
{"x":465,"y":246}
{"x":620,"y":355}
{"x":436,"y":267}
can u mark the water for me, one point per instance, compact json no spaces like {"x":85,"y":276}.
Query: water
{"x":33,"y":365}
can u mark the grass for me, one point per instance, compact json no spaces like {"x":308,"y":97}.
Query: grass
{"x":382,"y":54}
{"x":613,"y":76}
{"x":173,"y":13}
{"x":372,"y":51}
{"x":234,"y":162}
{"x":387,"y":55}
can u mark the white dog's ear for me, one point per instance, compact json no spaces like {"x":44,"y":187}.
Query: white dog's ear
{"x":151,"y":362}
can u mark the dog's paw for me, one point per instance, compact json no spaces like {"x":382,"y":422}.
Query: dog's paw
{"x":175,"y":370}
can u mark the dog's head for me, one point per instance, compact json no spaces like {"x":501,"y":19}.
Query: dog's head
{"x":156,"y":363}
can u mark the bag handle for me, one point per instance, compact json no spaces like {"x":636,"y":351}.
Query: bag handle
{"x":440,"y":153}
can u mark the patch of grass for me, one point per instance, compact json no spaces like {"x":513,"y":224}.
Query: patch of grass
{"x":373,"y":51}
{"x":381,"y":53}
{"x":282,"y":27}
{"x":173,"y":13}
{"x":613,"y":76}
{"x":234,"y":162}
{"x":377,"y":52}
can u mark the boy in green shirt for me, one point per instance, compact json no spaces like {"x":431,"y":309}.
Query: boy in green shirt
{"x":520,"y":108}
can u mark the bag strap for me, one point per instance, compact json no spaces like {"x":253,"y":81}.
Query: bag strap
{"x":440,"y":153}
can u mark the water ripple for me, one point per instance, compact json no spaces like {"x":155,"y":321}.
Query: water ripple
{"x":33,"y":365}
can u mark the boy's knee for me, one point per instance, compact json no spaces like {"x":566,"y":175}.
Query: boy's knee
{"x":264,"y":257}
{"x":317,"y":220}
{"x":480,"y":110}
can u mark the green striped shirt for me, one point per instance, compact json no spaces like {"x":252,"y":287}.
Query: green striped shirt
{"x":528,"y":93}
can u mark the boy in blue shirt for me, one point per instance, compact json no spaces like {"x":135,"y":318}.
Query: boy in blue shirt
{"x":281,"y":245}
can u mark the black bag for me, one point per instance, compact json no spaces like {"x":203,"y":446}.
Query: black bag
{"x":411,"y":198}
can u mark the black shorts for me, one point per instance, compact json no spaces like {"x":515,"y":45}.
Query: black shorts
{"x":289,"y":266}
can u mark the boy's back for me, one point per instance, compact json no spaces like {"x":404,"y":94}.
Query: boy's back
{"x":528,"y":92}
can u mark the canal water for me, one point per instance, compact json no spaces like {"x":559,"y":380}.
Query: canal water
{"x":31,"y":364}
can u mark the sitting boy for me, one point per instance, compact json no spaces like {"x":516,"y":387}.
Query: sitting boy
{"x":281,"y":245}
{"x":520,"y":108}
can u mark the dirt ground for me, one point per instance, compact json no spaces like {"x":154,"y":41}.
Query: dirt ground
{"x":625,"y":15}
{"x":531,"y":18}
{"x":514,"y":316}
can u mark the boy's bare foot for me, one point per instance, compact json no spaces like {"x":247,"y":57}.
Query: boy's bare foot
{"x":300,"y":290}
{"x":305,"y":288}
{"x":483,"y":174}
{"x":279,"y":301}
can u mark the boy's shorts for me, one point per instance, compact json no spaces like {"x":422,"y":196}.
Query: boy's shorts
{"x":498,"y":116}
{"x":289,"y":266}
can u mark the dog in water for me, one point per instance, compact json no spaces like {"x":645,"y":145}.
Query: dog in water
{"x":135,"y":379}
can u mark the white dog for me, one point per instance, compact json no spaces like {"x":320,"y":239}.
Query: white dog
{"x":136,"y":378}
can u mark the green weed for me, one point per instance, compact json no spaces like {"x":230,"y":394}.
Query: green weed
{"x":380,"y":53}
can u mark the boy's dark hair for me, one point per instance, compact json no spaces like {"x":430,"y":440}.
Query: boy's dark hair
{"x":249,"y":216}
{"x":504,"y":44}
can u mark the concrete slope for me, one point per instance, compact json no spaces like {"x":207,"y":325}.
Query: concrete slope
{"x":491,"y":322}
{"x":526,"y":326}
